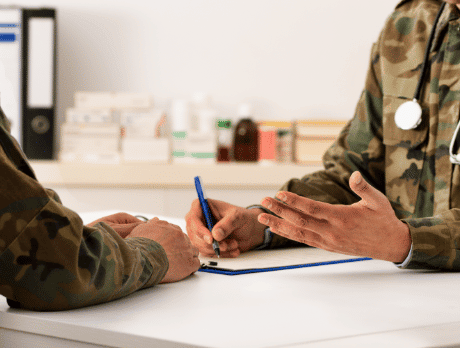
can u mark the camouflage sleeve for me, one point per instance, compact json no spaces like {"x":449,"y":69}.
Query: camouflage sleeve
{"x":53,"y":195}
{"x":358,"y":147}
{"x":50,"y":261}
{"x":435,"y":241}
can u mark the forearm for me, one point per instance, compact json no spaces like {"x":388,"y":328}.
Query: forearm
{"x":51,"y":261}
{"x":56,"y":263}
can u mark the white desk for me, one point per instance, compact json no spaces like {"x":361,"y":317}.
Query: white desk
{"x":359,"y":304}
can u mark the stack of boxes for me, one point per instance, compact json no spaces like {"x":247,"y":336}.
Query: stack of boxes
{"x":313,"y":138}
{"x":106,"y":127}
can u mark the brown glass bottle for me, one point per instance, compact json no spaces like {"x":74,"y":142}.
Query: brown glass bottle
{"x":246,"y":141}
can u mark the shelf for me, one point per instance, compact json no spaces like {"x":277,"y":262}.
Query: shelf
{"x":151,"y":175}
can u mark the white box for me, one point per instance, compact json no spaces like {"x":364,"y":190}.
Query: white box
{"x":78,"y":115}
{"x":93,"y":143}
{"x":138,"y":123}
{"x":93,"y":100}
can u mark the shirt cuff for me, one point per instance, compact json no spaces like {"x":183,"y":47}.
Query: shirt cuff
{"x":406,"y":261}
{"x":267,"y":239}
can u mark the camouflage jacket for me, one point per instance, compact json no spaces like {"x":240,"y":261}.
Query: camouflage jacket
{"x":48,"y":259}
{"x":411,"y":167}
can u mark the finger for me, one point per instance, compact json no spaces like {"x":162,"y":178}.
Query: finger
{"x":196,"y":264}
{"x":308,"y":206}
{"x":228,"y":245}
{"x":122,"y":218}
{"x":197,"y":230}
{"x":125,"y":217}
{"x":203,"y":246}
{"x":195,"y":251}
{"x":227,"y":248}
{"x":289,"y":230}
{"x":206,"y":248}
{"x":225,"y":254}
{"x":298,"y":217}
{"x":124,"y":230}
{"x":231,"y":254}
{"x":371,"y":197}
{"x":195,"y":226}
{"x":227,"y":225}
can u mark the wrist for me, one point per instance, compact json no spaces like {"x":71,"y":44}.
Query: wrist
{"x":258,"y":236}
{"x":404,"y":244}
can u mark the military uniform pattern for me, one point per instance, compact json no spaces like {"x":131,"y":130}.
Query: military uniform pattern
{"x":48,"y":259}
{"x":411,"y":167}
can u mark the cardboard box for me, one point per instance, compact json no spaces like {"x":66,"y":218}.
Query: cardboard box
{"x":93,"y":143}
{"x":313,"y":138}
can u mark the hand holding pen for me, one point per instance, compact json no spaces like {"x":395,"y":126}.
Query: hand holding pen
{"x":206,"y":212}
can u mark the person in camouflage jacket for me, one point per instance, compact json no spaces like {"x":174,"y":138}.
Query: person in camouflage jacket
{"x":407,"y":208}
{"x":49,"y":260}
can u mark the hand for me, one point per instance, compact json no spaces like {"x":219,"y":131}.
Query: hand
{"x":122,"y":223}
{"x":366,"y":228}
{"x":237,"y":229}
{"x":182,"y":255}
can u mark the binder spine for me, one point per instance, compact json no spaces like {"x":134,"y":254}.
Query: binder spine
{"x":10,"y":68}
{"x":38,"y":82}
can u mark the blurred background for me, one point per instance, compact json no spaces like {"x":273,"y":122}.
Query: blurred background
{"x":291,"y":59}
{"x":295,"y":68}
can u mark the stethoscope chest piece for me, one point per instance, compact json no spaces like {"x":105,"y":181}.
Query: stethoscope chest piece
{"x":408,"y":115}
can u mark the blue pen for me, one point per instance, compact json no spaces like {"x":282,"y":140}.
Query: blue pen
{"x":207,"y":212}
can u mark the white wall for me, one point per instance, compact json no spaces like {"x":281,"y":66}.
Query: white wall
{"x":292,"y":59}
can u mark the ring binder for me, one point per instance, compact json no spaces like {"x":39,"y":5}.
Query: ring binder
{"x":28,"y":77}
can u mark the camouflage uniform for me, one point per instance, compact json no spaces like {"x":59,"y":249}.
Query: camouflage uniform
{"x":411,"y":167}
{"x":48,"y":259}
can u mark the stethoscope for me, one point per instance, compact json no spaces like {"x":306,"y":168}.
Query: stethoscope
{"x":409,"y":114}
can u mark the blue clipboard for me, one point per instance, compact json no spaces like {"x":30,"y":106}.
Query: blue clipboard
{"x":218,"y":270}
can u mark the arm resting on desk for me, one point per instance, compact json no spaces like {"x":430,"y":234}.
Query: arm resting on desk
{"x":50,"y":261}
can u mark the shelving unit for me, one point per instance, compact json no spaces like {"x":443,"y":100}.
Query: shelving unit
{"x":162,"y":189}
{"x":151,"y":175}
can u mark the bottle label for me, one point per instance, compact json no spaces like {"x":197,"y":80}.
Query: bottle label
{"x":203,"y":154}
{"x":179,"y":135}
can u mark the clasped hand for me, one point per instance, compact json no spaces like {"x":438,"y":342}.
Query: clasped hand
{"x":182,"y":255}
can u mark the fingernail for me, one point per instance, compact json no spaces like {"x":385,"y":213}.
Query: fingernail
{"x":281,"y":196}
{"x":358,"y":178}
{"x":266,"y":203}
{"x":263,"y":219}
{"x":219,"y":233}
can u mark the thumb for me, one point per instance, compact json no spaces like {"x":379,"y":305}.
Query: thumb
{"x":371,"y":197}
{"x":224,"y":227}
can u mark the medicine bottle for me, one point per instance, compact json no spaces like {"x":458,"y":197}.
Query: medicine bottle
{"x":246,"y":137}
{"x":224,"y":140}
{"x":202,"y":136}
{"x":179,"y":134}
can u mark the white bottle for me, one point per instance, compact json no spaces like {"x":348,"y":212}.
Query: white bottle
{"x":202,"y":136}
{"x":180,"y":131}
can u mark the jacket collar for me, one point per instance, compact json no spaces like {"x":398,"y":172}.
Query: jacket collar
{"x":449,"y":14}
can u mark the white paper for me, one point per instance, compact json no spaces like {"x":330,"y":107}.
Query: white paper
{"x":273,"y":258}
